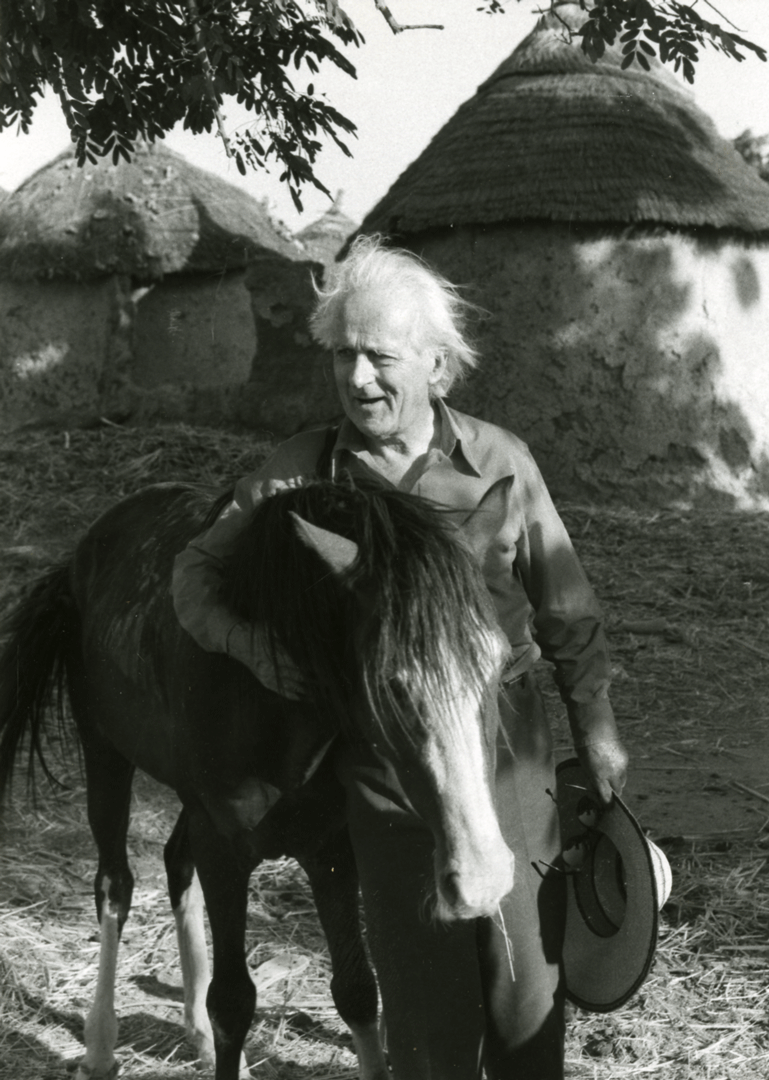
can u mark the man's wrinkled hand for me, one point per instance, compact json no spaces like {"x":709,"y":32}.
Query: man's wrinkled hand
{"x":605,"y":762}
{"x":274,"y":487}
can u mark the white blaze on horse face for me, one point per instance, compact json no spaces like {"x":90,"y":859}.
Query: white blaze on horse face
{"x":473,"y":864}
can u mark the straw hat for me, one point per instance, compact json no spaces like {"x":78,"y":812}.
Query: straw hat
{"x":617,"y":881}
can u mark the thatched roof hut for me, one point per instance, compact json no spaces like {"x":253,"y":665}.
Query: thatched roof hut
{"x":155,"y":215}
{"x":323,"y":239}
{"x":552,"y":136}
{"x":123,"y":277}
{"x":620,"y":247}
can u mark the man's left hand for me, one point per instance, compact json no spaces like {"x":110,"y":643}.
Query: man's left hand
{"x":605,"y":762}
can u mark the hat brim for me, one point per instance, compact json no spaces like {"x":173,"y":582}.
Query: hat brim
{"x":612,"y":916}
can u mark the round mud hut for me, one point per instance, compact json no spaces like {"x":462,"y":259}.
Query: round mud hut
{"x":620,"y":248}
{"x":117,"y":280}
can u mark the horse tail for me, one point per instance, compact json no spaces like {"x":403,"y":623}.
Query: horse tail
{"x":34,"y":666}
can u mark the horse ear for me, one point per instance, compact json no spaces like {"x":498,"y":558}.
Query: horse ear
{"x":488,"y":517}
{"x":337,"y":552}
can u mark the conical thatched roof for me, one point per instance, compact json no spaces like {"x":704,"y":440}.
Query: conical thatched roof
{"x":322,"y":239}
{"x":156,"y":215}
{"x":552,"y":136}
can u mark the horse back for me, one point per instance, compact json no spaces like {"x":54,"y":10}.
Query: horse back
{"x":195,"y":720}
{"x":121,"y":574}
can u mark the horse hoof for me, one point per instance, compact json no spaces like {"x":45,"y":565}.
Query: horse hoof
{"x":206,"y":1059}
{"x":86,"y":1072}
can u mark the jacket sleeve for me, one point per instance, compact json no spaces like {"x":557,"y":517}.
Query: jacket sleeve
{"x":568,"y":623}
{"x":197,"y":570}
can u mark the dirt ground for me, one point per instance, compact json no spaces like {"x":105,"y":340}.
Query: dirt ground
{"x":686,"y":596}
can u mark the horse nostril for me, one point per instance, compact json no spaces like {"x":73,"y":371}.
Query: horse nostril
{"x":450,"y":889}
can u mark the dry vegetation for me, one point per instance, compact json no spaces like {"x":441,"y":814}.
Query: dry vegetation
{"x":686,"y":598}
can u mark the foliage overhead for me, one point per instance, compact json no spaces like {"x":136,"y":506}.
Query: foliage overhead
{"x":123,"y":72}
{"x":669,"y":29}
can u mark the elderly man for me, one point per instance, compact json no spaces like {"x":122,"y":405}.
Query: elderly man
{"x":470,"y":996}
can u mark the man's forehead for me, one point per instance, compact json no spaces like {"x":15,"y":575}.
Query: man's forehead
{"x":379,"y":313}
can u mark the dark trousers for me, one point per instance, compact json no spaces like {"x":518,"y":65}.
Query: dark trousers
{"x":461,"y":997}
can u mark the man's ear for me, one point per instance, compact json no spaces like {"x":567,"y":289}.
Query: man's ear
{"x":440,"y":364}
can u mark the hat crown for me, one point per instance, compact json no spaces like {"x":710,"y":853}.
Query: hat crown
{"x":616,"y":886}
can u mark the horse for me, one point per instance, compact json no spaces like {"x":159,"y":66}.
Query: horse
{"x":379,"y":599}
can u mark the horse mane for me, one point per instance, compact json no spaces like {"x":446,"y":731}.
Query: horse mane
{"x":410,"y":616}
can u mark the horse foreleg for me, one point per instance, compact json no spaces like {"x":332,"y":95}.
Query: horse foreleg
{"x":334,"y":881}
{"x":108,"y":777}
{"x":186,"y":898}
{"x":99,"y":1062}
{"x":231,"y":998}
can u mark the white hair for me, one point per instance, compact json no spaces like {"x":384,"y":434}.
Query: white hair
{"x":442,"y":312}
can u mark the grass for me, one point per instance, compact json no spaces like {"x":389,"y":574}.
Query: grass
{"x":686,"y":596}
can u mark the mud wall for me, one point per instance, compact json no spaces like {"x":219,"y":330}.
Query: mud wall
{"x":632,"y":364}
{"x":194,"y":329}
{"x":54,"y":344}
{"x":291,"y":384}
{"x":72,"y":352}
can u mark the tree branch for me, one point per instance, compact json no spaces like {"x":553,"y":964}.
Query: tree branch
{"x":208,"y":76}
{"x":395,"y":26}
{"x":720,"y":14}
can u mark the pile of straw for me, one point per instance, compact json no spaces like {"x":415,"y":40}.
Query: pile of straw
{"x":686,"y":601}
{"x":54,"y":484}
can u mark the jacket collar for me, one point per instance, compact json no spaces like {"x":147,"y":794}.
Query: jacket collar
{"x":452,"y":440}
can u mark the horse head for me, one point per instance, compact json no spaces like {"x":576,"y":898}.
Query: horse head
{"x":427,"y":653}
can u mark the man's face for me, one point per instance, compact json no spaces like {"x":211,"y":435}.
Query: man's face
{"x":382,"y":374}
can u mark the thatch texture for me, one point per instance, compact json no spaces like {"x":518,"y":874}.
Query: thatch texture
{"x":153,"y":216}
{"x":552,"y":136}
{"x":323,"y":239}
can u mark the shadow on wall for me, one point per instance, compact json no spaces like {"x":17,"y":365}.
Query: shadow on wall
{"x":634,"y":365}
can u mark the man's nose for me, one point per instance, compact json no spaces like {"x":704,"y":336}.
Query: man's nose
{"x":361,"y":370}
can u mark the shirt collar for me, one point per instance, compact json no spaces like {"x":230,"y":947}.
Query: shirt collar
{"x":451,"y":440}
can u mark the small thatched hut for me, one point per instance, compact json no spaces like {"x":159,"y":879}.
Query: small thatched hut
{"x":322,"y":240}
{"x":115,"y":279}
{"x":620,"y":246}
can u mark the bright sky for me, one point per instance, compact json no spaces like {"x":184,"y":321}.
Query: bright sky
{"x":408,"y":86}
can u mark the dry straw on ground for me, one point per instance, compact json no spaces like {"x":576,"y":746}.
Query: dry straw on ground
{"x":686,"y":599}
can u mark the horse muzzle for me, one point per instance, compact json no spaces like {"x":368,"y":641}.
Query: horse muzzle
{"x":469,"y":892}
